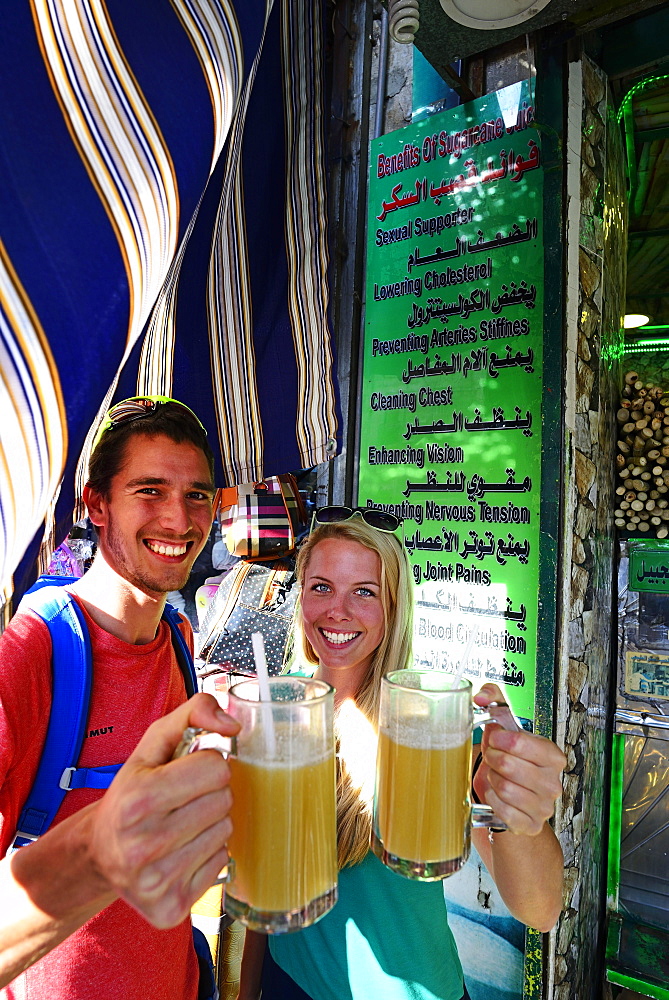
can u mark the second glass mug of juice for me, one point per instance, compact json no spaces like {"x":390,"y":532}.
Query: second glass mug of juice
{"x":422,"y":811}
{"x":283,"y":870}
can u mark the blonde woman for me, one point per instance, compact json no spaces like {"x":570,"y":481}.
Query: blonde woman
{"x":388,"y":936}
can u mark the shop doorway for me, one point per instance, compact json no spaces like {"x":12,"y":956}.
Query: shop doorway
{"x":635,"y":56}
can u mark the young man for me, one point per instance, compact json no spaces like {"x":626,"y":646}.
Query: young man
{"x":155,"y":840}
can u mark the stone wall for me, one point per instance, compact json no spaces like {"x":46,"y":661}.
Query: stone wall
{"x":583,"y":688}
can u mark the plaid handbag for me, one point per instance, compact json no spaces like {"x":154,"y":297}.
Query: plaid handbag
{"x":266,"y":519}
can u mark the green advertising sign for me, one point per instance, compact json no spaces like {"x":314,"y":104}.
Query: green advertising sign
{"x":452,"y":379}
{"x":649,"y":566}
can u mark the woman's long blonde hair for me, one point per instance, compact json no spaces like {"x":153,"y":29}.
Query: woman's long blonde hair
{"x":355,"y":765}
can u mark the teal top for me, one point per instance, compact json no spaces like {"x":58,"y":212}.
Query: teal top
{"x":387,"y":937}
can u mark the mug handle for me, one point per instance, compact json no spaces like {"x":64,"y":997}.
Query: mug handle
{"x":201,"y":739}
{"x":483,"y":816}
{"x":194,"y":739}
{"x":499,"y":712}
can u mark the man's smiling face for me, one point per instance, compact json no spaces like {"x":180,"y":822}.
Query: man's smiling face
{"x":158,"y":514}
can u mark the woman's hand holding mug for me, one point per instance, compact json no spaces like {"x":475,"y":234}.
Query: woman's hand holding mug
{"x":520,"y":774}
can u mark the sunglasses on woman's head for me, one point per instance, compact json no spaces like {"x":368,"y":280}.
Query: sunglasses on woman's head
{"x":378,"y":519}
{"x":135,"y":408}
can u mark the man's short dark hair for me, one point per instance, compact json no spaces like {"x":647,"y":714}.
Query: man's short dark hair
{"x":169,"y":419}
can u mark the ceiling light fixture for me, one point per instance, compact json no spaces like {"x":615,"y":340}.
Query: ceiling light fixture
{"x":633,"y":320}
{"x":488,"y":16}
{"x":403,"y":20}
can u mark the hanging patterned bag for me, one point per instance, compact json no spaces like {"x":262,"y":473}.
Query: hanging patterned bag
{"x":253,"y":597}
{"x":266,"y":519}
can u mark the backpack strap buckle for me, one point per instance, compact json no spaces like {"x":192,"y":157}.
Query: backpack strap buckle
{"x":88,"y":777}
{"x":21,"y":839}
{"x":66,"y":779}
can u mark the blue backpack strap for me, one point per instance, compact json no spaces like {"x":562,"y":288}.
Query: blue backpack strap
{"x":69,"y":707}
{"x":72,"y":672}
{"x":102,"y":777}
{"x":183,"y":653}
{"x":90,"y":777}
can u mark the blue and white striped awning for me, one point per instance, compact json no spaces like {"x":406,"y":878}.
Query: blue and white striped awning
{"x":162,"y":230}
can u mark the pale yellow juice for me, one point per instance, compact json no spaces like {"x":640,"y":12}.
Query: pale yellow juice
{"x":284,"y":837}
{"x":422,"y":799}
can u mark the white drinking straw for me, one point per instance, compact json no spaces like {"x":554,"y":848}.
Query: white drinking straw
{"x":464,"y":660}
{"x":263,"y":685}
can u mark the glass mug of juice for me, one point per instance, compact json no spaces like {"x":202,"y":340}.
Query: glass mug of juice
{"x":283,"y":870}
{"x":422,"y":811}
{"x":282,"y":873}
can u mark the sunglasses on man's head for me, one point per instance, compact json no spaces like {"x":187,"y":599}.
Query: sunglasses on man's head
{"x":135,"y":408}
{"x":378,"y":519}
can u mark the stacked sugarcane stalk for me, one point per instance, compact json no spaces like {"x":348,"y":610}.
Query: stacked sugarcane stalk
{"x":642,"y":496}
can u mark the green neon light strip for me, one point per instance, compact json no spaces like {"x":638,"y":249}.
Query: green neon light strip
{"x":638,"y":985}
{"x":648,"y":326}
{"x":650,"y":81}
{"x":647,"y":346}
{"x":615,"y":819}
{"x":651,"y":342}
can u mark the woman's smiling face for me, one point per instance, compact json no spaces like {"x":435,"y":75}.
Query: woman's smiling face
{"x":342,"y":609}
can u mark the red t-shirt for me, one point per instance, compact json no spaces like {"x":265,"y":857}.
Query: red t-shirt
{"x":117,"y":954}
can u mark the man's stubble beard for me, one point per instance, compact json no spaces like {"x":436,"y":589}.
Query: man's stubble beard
{"x":148,"y":584}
